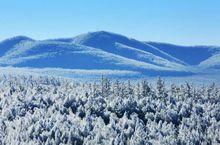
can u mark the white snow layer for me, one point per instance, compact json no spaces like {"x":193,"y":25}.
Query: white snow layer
{"x":45,"y":110}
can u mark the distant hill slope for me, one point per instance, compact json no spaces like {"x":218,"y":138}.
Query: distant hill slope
{"x":7,"y":44}
{"x":108,"y":51}
{"x":212,"y":62}
{"x":192,"y":55}
{"x":116,"y":43}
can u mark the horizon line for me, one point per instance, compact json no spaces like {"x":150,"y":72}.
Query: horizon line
{"x":114,"y":33}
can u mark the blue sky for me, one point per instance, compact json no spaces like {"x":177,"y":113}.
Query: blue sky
{"x":187,"y":22}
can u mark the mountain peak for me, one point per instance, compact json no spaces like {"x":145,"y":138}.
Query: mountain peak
{"x":101,"y":34}
{"x":104,"y":33}
{"x":99,"y":37}
{"x":18,"y":38}
{"x":7,"y":44}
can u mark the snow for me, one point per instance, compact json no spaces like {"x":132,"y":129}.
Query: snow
{"x":109,"y":51}
{"x":212,"y":62}
{"x":47,"y":110}
{"x":106,"y":41}
{"x":70,"y":73}
{"x":144,"y":56}
{"x":51,"y":91}
{"x":192,"y":55}
{"x":42,"y":54}
{"x":7,"y":44}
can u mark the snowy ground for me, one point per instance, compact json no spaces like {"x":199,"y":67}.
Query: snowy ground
{"x":78,"y":74}
{"x":45,"y":110}
{"x":95,"y":75}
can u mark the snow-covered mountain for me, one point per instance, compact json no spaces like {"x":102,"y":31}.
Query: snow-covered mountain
{"x":108,"y":51}
{"x":192,"y":55}
{"x":8,"y":44}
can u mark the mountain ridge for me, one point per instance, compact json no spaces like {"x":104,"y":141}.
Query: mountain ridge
{"x":107,"y":50}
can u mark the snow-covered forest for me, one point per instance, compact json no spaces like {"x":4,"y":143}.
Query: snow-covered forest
{"x":44,"y":110}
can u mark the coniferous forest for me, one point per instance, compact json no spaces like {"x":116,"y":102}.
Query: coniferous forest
{"x":45,"y":110}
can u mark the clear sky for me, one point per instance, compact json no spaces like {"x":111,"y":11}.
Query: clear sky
{"x":188,"y":22}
